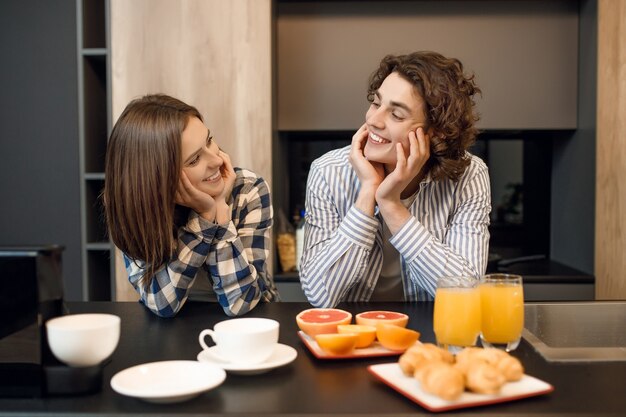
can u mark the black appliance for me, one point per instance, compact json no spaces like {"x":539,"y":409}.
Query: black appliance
{"x":31,"y":292}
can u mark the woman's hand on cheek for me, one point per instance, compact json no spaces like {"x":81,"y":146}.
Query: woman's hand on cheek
{"x":228,"y":176}
{"x":189,"y":196}
{"x":370,"y":174}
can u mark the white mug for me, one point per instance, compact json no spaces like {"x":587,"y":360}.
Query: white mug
{"x":247,"y":340}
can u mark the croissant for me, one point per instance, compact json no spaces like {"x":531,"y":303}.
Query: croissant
{"x":484,"y":378}
{"x":441,"y":379}
{"x":466,"y":357}
{"x":511,"y":368}
{"x":421,"y":354}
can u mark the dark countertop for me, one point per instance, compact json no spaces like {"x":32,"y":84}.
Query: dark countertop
{"x":309,"y":386}
{"x":547,"y":271}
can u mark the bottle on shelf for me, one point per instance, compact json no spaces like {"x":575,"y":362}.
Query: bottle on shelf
{"x":299,"y":239}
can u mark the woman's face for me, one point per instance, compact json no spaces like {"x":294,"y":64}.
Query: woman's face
{"x":201,"y":161}
{"x":396,"y":109}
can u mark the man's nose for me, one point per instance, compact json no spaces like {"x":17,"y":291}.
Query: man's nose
{"x":375,"y":118}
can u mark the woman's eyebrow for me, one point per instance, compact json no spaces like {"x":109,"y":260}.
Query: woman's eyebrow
{"x":190,"y":157}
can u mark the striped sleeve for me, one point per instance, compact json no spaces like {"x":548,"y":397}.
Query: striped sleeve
{"x":336,"y":247}
{"x":464,"y":250}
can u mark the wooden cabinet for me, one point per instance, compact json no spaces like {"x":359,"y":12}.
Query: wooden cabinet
{"x":524,"y":55}
{"x":610,"y":239}
{"x":213,"y":54}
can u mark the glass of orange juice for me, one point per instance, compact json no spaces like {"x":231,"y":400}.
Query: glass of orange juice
{"x":502,"y":305}
{"x":457,"y":312}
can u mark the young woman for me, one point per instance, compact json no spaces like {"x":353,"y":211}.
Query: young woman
{"x":406,"y":203}
{"x":189,"y":224}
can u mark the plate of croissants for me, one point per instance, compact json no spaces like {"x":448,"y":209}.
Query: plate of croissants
{"x":439,"y":381}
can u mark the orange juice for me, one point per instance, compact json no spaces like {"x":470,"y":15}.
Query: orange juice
{"x":502,"y":311}
{"x":457,"y":316}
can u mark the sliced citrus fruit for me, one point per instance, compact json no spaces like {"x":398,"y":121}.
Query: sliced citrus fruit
{"x":366,"y":334}
{"x":396,"y":337}
{"x":337,"y":343}
{"x":322,"y":320}
{"x":372,"y":318}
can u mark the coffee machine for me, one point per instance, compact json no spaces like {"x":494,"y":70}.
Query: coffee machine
{"x":31,"y":293}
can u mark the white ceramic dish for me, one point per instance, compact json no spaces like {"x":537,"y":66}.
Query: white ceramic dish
{"x":167,"y":381}
{"x":392,"y":375}
{"x":372,"y":351}
{"x":281,"y":356}
{"x":83,"y":339}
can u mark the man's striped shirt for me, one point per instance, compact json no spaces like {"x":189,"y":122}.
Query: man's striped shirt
{"x":342,"y":257}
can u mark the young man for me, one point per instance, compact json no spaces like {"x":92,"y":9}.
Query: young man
{"x":406,"y":203}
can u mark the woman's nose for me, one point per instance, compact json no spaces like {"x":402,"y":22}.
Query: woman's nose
{"x":214,"y":160}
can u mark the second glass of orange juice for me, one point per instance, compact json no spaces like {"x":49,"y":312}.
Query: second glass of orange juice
{"x":457,"y":312}
{"x":502,"y":301}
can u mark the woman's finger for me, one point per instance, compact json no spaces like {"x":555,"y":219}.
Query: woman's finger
{"x":228,"y":166}
{"x":178,"y":199}
{"x":186,"y":188}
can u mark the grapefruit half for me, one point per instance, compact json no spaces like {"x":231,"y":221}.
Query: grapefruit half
{"x":316,"y":321}
{"x":372,"y":318}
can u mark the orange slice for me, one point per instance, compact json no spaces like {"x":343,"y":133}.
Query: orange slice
{"x":395,"y":337}
{"x":366,"y":334}
{"x":337,"y":343}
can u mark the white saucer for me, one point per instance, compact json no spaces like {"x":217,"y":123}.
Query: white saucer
{"x":282,"y":355}
{"x":167,"y":381}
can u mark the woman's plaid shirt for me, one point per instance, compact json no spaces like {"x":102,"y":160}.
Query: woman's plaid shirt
{"x":233,"y":255}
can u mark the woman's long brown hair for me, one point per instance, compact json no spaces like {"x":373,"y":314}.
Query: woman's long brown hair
{"x":450,"y":107}
{"x":143,"y":163}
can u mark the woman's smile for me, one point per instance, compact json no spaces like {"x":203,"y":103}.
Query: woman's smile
{"x":214,"y":177}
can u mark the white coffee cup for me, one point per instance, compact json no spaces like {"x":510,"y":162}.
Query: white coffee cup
{"x":242,"y":340}
{"x":83,"y":339}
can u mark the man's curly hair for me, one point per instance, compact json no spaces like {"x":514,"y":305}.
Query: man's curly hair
{"x":448,"y":95}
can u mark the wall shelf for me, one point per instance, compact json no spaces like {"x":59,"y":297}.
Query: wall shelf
{"x":94,"y":126}
{"x":95,"y":52}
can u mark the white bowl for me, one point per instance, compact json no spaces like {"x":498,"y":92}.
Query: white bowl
{"x":83,"y":339}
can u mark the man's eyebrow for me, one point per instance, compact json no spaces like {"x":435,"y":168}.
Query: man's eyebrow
{"x":400,"y":105}
{"x":394,"y":103}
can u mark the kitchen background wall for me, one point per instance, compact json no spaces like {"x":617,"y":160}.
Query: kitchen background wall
{"x":39,"y":169}
{"x":534,"y":62}
{"x":39,"y":174}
